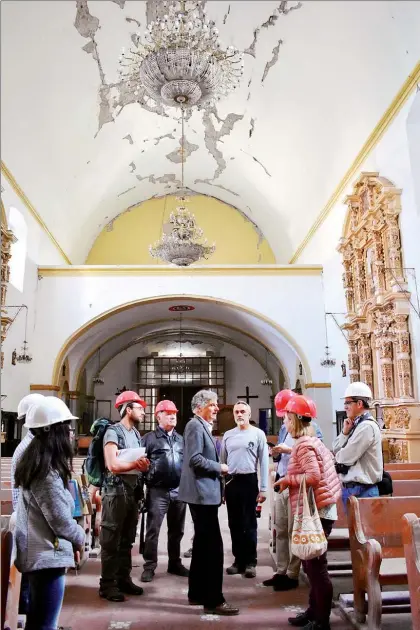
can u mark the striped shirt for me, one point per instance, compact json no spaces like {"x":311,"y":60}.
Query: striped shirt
{"x":15,"y":460}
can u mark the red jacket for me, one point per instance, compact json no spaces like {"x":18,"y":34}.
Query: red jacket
{"x":311,"y":457}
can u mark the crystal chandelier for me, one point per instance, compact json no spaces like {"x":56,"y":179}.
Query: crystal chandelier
{"x":327,"y":361}
{"x":266,"y":380}
{"x":185,"y":244}
{"x":97,"y":379}
{"x":179,"y":365}
{"x":24,"y":357}
{"x":181,"y":62}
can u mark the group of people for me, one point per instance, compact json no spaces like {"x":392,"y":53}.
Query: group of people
{"x":177,"y":471}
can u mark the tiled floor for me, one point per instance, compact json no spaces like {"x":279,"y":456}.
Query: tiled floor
{"x":164,"y":602}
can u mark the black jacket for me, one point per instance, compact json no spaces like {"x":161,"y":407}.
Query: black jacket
{"x":165,"y":454}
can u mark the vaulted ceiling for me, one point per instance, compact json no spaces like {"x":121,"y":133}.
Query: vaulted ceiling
{"x":318,"y":77}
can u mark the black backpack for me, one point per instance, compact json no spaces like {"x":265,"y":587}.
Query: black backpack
{"x":94,"y":464}
{"x":385,"y":486}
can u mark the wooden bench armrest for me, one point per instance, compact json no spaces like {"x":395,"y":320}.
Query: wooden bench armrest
{"x":411,"y":540}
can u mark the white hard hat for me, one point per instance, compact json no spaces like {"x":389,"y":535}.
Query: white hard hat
{"x":27,"y":402}
{"x":50,"y":411}
{"x":358,"y":390}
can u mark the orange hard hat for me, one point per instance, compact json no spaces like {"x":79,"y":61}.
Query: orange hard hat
{"x":301,"y":406}
{"x":281,"y":399}
{"x":129,"y":397}
{"x":166,"y":405}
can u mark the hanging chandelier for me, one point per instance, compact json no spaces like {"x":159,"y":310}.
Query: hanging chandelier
{"x":184,"y":244}
{"x":266,"y":380}
{"x":24,"y":357}
{"x":97,"y":379}
{"x":181,"y":62}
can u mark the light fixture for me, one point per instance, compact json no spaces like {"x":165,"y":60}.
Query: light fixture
{"x":266,"y":380}
{"x":24,"y":356}
{"x":327,"y":361}
{"x":120,"y":390}
{"x":184,"y":245}
{"x":179,"y":365}
{"x":181,"y":62}
{"x":97,"y":379}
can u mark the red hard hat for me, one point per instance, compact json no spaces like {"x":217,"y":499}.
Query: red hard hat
{"x":301,"y":406}
{"x":312,"y":406}
{"x":166,"y":405}
{"x":129,"y":397}
{"x":281,"y":399}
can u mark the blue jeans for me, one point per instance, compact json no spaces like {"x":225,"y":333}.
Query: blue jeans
{"x":46,"y":597}
{"x":360,"y":491}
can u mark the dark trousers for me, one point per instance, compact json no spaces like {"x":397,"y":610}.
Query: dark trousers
{"x":241,"y":493}
{"x":46,"y":598}
{"x":206,"y":569}
{"x":321,"y":589}
{"x":118,"y":533}
{"x":160,"y":502}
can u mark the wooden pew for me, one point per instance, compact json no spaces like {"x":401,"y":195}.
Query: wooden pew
{"x":6,"y":554}
{"x":402,"y":466}
{"x":404,"y":474}
{"x":411,"y":540}
{"x":377,"y":555}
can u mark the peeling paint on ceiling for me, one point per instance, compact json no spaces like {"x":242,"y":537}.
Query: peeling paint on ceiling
{"x":129,"y":138}
{"x":175,"y":156}
{"x":272,"y":61}
{"x":212,"y":137}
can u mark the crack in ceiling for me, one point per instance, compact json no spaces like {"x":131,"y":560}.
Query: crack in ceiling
{"x":120,"y":3}
{"x":212,"y":137}
{"x":226,"y":15}
{"x":272,"y":61}
{"x":129,"y":138}
{"x":257,"y":161}
{"x":124,"y":192}
{"x":252,"y":127}
{"x":282,"y":9}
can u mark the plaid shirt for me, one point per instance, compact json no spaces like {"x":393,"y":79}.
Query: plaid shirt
{"x":15,"y":459}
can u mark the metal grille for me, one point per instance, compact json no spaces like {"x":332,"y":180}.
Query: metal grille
{"x":155,"y":372}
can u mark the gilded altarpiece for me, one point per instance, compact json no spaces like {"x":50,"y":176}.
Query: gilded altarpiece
{"x":378,"y":311}
{"x":7,"y":239}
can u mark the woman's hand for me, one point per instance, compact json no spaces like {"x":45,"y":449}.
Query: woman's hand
{"x":282,"y":484}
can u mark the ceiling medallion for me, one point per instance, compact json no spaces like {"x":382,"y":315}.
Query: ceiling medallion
{"x":181,"y":62}
{"x":184,"y":244}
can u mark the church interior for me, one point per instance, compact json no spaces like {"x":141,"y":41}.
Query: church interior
{"x":244,"y":229}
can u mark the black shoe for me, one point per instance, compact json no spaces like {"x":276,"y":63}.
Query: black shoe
{"x":127,"y":586}
{"x":112,"y":594}
{"x":287,"y":584}
{"x":250,"y":571}
{"x":301,"y":620}
{"x":223,"y":609}
{"x":147,"y":575}
{"x":234,"y":570}
{"x":188,"y":554}
{"x":178,"y":569}
{"x":276,"y":579}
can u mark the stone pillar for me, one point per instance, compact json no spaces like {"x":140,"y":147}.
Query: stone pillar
{"x":353,"y":361}
{"x":90,"y":402}
{"x":73,"y":404}
{"x":405,"y":388}
{"x":365,"y":354}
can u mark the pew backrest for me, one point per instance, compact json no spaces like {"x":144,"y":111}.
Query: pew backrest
{"x":403,"y":466}
{"x":411,"y":540}
{"x":404,"y":474}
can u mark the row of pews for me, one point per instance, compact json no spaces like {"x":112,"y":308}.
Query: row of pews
{"x":377,"y":546}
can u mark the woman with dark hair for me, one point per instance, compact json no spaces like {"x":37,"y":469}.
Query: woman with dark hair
{"x":47,"y":538}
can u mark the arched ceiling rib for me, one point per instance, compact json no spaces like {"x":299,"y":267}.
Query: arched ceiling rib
{"x":276,"y":148}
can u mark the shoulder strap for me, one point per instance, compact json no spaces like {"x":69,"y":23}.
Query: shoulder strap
{"x":120,"y":435}
{"x":138,"y":436}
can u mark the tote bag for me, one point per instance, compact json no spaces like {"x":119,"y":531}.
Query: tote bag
{"x":308,"y":538}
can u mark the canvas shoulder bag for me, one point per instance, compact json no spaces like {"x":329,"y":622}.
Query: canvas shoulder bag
{"x":308,"y":537}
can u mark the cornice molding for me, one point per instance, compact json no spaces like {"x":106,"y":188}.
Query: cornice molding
{"x":164,"y":270}
{"x":18,"y":190}
{"x":382,"y":126}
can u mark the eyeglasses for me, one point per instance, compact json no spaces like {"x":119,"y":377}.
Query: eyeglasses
{"x":349,"y":402}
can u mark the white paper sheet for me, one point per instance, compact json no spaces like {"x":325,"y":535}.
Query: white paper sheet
{"x":131,"y":454}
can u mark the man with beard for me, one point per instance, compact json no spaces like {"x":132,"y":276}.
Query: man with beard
{"x":244,"y":449}
{"x":120,"y":500}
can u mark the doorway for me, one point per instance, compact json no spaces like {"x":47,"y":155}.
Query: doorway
{"x":181,"y":395}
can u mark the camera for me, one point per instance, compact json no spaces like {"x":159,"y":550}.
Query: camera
{"x":341,"y":469}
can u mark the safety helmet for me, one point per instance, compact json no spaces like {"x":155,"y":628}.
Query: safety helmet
{"x":301,"y":407}
{"x":281,"y":399}
{"x":312,"y":406}
{"x":129,"y":397}
{"x":166,"y":405}
{"x":358,"y":390}
{"x":49,"y":411}
{"x":27,"y":402}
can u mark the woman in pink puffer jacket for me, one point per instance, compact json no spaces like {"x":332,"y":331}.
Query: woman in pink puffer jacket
{"x":310,"y":457}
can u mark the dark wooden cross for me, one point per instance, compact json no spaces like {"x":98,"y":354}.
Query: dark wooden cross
{"x":247,"y":395}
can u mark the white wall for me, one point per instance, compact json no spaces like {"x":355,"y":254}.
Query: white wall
{"x":16,"y":379}
{"x":392,"y":159}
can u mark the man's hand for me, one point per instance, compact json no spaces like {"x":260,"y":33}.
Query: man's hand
{"x":347,"y":426}
{"x":281,"y":484}
{"x":142,"y":464}
{"x":224,"y":469}
{"x":77,"y":558}
{"x":262,"y":496}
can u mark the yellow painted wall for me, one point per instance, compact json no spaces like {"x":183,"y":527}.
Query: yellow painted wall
{"x":126,"y":241}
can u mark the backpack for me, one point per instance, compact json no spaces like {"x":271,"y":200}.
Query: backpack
{"x":94,"y":464}
{"x":385,"y":486}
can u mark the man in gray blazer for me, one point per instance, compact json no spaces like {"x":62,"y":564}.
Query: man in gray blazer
{"x":200,"y":487}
